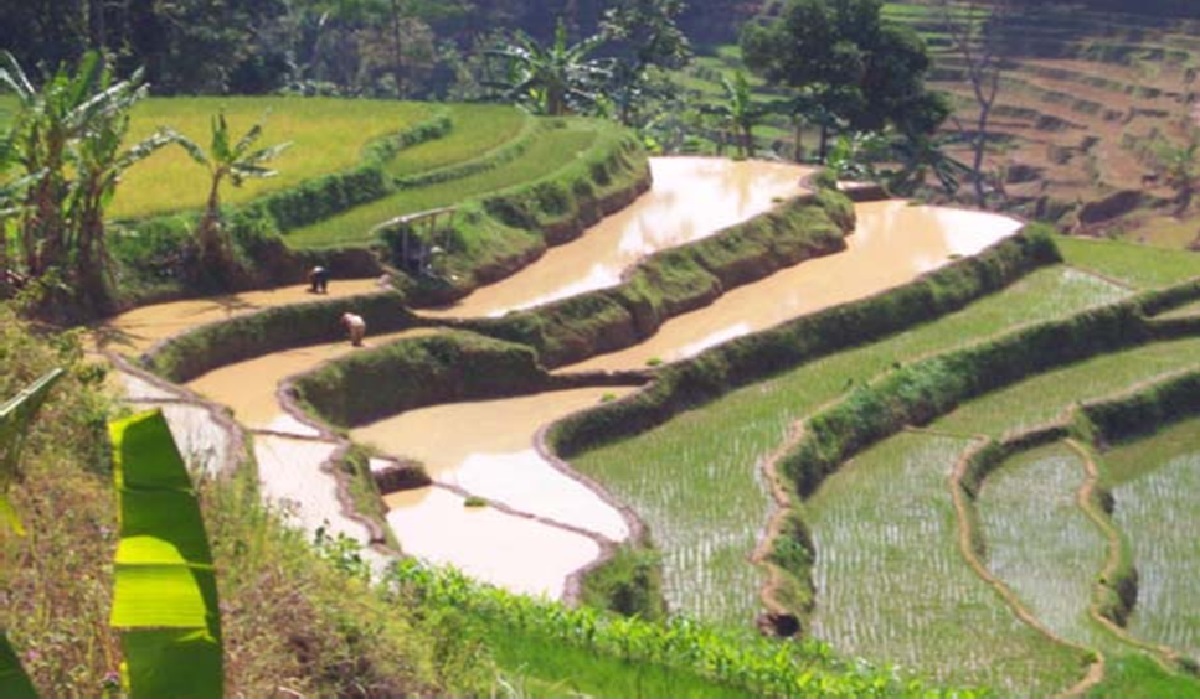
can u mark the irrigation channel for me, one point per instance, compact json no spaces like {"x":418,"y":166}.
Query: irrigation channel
{"x":543,"y":524}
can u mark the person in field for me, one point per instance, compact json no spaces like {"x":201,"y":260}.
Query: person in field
{"x":318,"y":278}
{"x":356,"y":326}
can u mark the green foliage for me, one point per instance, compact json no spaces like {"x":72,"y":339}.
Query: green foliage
{"x":16,"y":418}
{"x":630,"y":583}
{"x":556,"y":79}
{"x":760,"y":666}
{"x":164,"y":588}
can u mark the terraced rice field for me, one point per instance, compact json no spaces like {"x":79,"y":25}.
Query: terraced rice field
{"x":1156,"y":480}
{"x":549,"y":151}
{"x":327,"y":136}
{"x":892,"y":584}
{"x":689,"y":516}
{"x":1138,"y":266}
{"x":477,"y":129}
{"x":1039,"y":542}
{"x":1042,"y":398}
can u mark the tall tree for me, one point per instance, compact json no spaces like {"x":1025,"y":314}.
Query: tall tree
{"x":974,"y":30}
{"x":237,"y":162}
{"x":858,"y":68}
{"x":645,"y":34}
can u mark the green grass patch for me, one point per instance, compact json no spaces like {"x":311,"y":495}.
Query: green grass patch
{"x":1040,"y":543}
{"x":1139,"y":677}
{"x":327,"y":135}
{"x":893,"y":584}
{"x":694,"y":479}
{"x":1040,"y":399}
{"x":551,"y":150}
{"x":1139,"y":266}
{"x":478,"y":128}
{"x":1155,"y":505}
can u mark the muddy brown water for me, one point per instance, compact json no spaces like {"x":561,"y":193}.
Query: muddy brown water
{"x":138,"y":330}
{"x":691,"y":198}
{"x":514,"y":552}
{"x":486,"y":448}
{"x":892,"y":244}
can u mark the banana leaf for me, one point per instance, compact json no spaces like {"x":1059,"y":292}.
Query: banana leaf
{"x":165,"y":593}
{"x":16,"y":415}
{"x":14,"y":683}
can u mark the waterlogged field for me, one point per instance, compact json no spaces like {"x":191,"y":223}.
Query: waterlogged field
{"x":1157,"y":480}
{"x":1039,"y":541}
{"x":478,"y":128}
{"x":1042,"y":398}
{"x":1138,"y":266}
{"x":550,"y":151}
{"x":892,"y":585}
{"x":327,"y":135}
{"x":696,"y":479}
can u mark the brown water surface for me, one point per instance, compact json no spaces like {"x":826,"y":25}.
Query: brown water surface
{"x":248,"y":387}
{"x":691,"y":198}
{"x":139,"y":329}
{"x":892,"y":244}
{"x":517,"y":553}
{"x":486,"y":448}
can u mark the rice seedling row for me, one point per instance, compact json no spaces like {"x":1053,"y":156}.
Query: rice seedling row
{"x":694,"y":480}
{"x":327,"y":136}
{"x":1040,"y":399}
{"x":478,"y":128}
{"x":1139,"y":266}
{"x":549,"y":152}
{"x":892,"y":585}
{"x":1041,"y":544}
{"x":1159,"y":478}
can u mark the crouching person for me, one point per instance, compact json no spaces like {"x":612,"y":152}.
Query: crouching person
{"x":356,"y":326}
{"x":318,"y":278}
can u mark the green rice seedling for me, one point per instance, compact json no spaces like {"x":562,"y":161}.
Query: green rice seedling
{"x":1140,"y":676}
{"x":1042,"y":398}
{"x":1156,"y":480}
{"x":1041,"y":544}
{"x":893,"y":586}
{"x":328,"y":135}
{"x":1139,"y":266}
{"x":696,"y":479}
{"x":550,"y":151}
{"x":478,"y":128}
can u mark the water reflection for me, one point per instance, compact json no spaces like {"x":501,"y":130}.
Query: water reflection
{"x":691,"y":198}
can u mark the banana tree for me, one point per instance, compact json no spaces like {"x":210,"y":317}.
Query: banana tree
{"x":11,"y":204}
{"x":99,"y":161}
{"x":556,"y":79}
{"x":739,"y":111}
{"x":237,"y":162}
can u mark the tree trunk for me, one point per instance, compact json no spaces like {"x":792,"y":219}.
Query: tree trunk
{"x":823,"y":144}
{"x":397,"y":52}
{"x":980,"y":146}
{"x":798,"y":146}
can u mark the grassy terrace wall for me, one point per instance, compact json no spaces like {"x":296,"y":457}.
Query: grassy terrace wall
{"x":413,"y":373}
{"x":719,"y":370}
{"x":189,"y":355}
{"x":492,"y":236}
{"x":677,"y":280}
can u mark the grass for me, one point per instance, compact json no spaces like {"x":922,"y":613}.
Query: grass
{"x":550,"y":151}
{"x":478,"y":128}
{"x":694,"y":480}
{"x":894,"y":587}
{"x":1139,"y":677}
{"x":1138,"y":266}
{"x":1156,"y":480}
{"x":546,"y":668}
{"x":1042,"y":398}
{"x":327,"y":135}
{"x":1040,"y":543}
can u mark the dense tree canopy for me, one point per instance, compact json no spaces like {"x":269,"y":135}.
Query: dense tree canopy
{"x":864,"y":71}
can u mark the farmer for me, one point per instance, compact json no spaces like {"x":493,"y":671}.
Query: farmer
{"x":357,"y":327}
{"x":319,"y":279}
